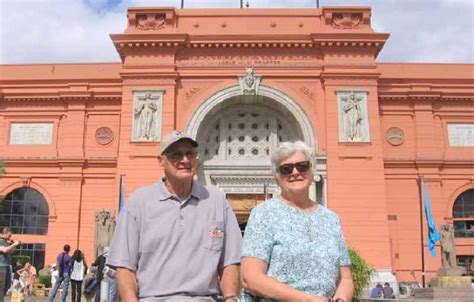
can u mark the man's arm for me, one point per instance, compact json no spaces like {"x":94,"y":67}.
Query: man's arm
{"x":230,"y":281}
{"x":127,"y":284}
{"x":10,"y":248}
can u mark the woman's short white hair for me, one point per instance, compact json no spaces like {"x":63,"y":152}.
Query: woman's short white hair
{"x":287,"y":149}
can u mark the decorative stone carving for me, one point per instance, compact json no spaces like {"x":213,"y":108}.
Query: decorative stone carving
{"x":448,"y":248}
{"x":249,"y":83}
{"x":346,"y":20}
{"x":353,"y":119}
{"x":147,"y":115}
{"x":308,"y":92}
{"x":192,"y":92}
{"x":395,"y":136}
{"x":104,"y":136}
{"x":26,"y":181}
{"x":104,"y":229}
{"x":150,"y":21}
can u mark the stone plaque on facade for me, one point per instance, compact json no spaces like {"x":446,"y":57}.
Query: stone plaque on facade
{"x":104,"y":136}
{"x":395,"y":136}
{"x":31,"y":133}
{"x":147,"y":116}
{"x":353,"y":117}
{"x":461,"y":135}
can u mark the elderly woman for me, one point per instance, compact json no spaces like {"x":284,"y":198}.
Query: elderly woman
{"x":293,"y":248}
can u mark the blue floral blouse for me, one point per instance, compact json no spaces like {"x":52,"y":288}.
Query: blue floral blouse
{"x":303,"y":249}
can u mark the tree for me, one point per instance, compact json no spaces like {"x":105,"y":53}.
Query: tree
{"x":361,"y":273}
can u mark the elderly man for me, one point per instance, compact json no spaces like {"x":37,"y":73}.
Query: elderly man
{"x":177,"y":240}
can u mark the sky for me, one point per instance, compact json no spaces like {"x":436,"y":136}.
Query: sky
{"x":73,"y":31}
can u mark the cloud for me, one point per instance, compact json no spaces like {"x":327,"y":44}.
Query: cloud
{"x":45,"y":31}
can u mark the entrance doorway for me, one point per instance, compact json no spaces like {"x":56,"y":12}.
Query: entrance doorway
{"x":242,"y":204}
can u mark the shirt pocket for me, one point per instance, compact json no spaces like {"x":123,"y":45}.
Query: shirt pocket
{"x":215,"y":236}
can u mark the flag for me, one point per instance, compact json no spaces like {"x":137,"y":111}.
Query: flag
{"x":433,"y":234}
{"x":121,"y":194}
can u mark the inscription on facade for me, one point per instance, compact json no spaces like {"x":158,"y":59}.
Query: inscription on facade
{"x":242,"y":60}
{"x":31,"y":133}
{"x":461,"y":135}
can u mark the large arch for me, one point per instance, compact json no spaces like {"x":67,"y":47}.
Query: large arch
{"x":251,"y":177}
{"x":217,"y":99}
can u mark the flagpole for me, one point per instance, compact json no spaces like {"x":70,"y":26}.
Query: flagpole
{"x":420,"y":186}
{"x":121,"y":192}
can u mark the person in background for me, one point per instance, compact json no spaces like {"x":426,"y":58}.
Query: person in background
{"x":177,"y":240}
{"x":64,"y":267}
{"x":294,"y":248}
{"x":376,"y":292}
{"x":99,"y":264}
{"x":7,"y":247}
{"x":54,"y":273}
{"x":78,"y":272}
{"x":16,"y":277}
{"x":388,"y":291}
{"x":32,"y":275}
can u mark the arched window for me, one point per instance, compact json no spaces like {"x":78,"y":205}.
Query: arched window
{"x":25,"y":211}
{"x":463,"y":214}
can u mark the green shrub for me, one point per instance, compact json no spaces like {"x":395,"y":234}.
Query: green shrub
{"x":361,"y":273}
{"x":23,"y":259}
{"x":45,"y":279}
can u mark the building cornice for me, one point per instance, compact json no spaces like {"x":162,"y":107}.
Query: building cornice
{"x":85,"y":96}
{"x":15,"y":162}
{"x":167,"y":29}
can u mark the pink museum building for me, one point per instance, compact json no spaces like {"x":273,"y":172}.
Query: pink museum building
{"x":241,"y":82}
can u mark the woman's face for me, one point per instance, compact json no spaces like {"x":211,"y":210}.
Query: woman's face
{"x":296,"y":181}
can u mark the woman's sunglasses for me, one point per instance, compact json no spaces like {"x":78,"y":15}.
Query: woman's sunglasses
{"x":287,"y":169}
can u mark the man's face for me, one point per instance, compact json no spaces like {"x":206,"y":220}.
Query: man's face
{"x":179,"y":161}
{"x":7,"y":235}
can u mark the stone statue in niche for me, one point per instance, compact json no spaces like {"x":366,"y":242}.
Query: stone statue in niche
{"x":448,"y":248}
{"x":104,"y":229}
{"x":146,"y":117}
{"x":249,"y":83}
{"x":353,"y":118}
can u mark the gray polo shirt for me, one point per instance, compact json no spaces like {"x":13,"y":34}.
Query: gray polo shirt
{"x":176,"y":247}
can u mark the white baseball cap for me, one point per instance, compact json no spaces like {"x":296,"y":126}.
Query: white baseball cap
{"x":174,"y":137}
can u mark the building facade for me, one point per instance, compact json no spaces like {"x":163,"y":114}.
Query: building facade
{"x":241,"y":82}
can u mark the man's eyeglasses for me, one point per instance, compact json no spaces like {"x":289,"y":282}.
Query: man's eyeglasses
{"x":287,"y":169}
{"x":176,"y":156}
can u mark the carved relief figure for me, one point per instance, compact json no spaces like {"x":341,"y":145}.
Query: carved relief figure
{"x":145,"y":114}
{"x":353,"y":118}
{"x":104,"y":229}
{"x":448,"y":249}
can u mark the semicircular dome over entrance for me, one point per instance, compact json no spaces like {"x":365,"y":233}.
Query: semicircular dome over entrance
{"x":244,"y":132}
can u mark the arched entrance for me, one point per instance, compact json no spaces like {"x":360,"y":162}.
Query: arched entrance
{"x":25,"y":211}
{"x":237,"y":135}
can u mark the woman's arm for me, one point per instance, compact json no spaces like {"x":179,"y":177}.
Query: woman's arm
{"x":257,"y":282}
{"x":345,"y":285}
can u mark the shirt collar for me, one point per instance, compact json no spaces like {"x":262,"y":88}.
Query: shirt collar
{"x":196,"y":191}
